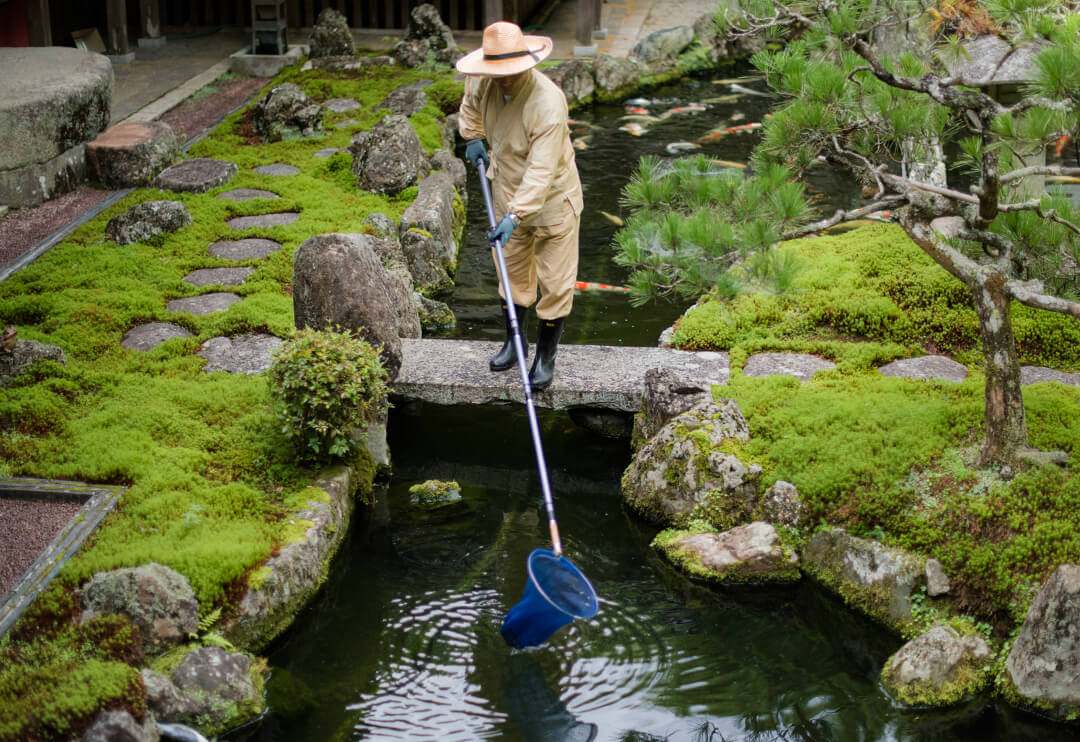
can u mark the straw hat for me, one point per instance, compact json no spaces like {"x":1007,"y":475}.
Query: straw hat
{"x":505,"y":51}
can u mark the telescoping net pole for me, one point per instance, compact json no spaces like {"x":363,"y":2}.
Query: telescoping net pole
{"x":519,"y":350}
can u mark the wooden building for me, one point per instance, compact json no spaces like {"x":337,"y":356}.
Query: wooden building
{"x":121,"y":22}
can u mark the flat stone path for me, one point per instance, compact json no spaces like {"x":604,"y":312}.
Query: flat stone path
{"x":329,"y":151}
{"x":244,"y":354}
{"x":248,"y":248}
{"x":218,"y":276}
{"x":198,"y":175}
{"x":246,"y":194}
{"x":926,"y":367}
{"x":218,"y":301}
{"x":152,"y":334}
{"x":277,"y":168}
{"x":800,"y":365}
{"x":346,"y":122}
{"x":454,"y":372}
{"x":340,"y":105}
{"x":277,"y":219}
{"x":1038,"y":374}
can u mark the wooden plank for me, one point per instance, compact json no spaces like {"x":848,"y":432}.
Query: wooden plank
{"x":38,"y":23}
{"x":116,"y":15}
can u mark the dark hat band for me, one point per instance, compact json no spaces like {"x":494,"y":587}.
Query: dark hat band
{"x":512,"y":55}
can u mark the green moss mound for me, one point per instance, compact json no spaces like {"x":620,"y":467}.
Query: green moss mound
{"x":874,"y":286}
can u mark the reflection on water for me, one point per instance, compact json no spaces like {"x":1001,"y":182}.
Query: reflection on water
{"x":403,"y":642}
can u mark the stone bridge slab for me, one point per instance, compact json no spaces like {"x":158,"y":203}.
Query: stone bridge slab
{"x":455,"y":372}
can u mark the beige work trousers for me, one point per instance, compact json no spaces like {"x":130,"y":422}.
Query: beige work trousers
{"x":547,"y":256}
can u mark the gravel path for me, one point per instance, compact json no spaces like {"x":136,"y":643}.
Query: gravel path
{"x":26,"y":527}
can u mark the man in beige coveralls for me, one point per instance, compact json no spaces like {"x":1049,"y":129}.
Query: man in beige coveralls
{"x":535,"y":182}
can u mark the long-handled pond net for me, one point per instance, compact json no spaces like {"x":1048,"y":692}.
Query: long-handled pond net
{"x":557,"y":592}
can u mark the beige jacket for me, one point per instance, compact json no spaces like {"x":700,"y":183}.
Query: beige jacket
{"x":532,"y":161}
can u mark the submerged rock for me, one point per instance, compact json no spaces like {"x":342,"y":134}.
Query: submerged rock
{"x":746,"y":554}
{"x":876,"y":579}
{"x":939,"y":668}
{"x":435,"y":493}
{"x":1041,"y":669}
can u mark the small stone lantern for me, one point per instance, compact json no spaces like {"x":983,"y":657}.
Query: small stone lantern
{"x":269,"y":27}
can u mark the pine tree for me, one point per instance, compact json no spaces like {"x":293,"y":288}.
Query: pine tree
{"x":888,"y":119}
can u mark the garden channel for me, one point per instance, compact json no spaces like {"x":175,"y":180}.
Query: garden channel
{"x":403,"y":642}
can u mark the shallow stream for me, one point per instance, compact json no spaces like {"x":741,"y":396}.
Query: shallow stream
{"x":403,"y":644}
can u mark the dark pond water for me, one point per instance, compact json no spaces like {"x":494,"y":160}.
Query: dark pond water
{"x":402,"y":642}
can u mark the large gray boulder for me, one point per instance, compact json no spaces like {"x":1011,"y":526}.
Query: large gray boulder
{"x":445,"y":160}
{"x":226,"y":688}
{"x":425,"y":256}
{"x":286,"y":111}
{"x":746,"y":554}
{"x":437,"y":211}
{"x":388,"y":158}
{"x":877,"y":580}
{"x":661,"y":48}
{"x":938,"y":668}
{"x":575,"y":78}
{"x":24,"y":355}
{"x":781,"y":505}
{"x":338,"y":280}
{"x":427,"y":40}
{"x":53,"y":100}
{"x":1041,"y":668}
{"x":168,"y":702}
{"x":330,"y":36}
{"x":616,"y":77}
{"x":157,"y":600}
{"x":683,"y":466}
{"x":146,"y":220}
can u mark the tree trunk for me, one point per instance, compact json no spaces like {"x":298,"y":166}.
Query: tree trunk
{"x":1006,"y":427}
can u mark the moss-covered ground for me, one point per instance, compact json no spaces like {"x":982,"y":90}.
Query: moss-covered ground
{"x":210,"y":478}
{"x":894,"y":458}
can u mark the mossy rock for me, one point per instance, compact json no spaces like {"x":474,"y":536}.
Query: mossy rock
{"x":941,"y":667}
{"x":750,"y":554}
{"x":435,"y":494}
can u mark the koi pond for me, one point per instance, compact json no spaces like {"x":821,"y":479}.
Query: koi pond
{"x":403,"y":641}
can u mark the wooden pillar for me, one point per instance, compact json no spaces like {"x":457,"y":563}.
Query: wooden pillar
{"x":38,"y":22}
{"x":150,"y":19}
{"x":598,"y":8}
{"x":493,"y":11}
{"x":116,"y":14}
{"x":586,"y":22}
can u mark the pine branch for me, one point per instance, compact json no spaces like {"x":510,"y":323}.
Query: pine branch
{"x":1025,"y":172}
{"x":1031,"y":293}
{"x":885,"y":204}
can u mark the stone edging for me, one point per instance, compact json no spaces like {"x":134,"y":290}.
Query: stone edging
{"x":100,"y":500}
{"x":287,"y":581}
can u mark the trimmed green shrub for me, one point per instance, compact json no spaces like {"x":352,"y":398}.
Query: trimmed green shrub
{"x":325,"y":384}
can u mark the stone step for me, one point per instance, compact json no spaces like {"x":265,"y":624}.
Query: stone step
{"x":455,"y":372}
{"x":277,"y":219}
{"x":131,"y":154}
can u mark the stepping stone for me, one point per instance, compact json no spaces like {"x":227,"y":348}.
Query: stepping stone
{"x":246,"y":249}
{"x":330,"y":151}
{"x":278,"y":219}
{"x":799,"y":365}
{"x":246,"y":194}
{"x":926,"y":367}
{"x":277,"y":168}
{"x":218,"y":276}
{"x":340,"y":105}
{"x":151,"y":335}
{"x":196,"y":176}
{"x":132,"y":153}
{"x":346,"y":122}
{"x":204,"y":304}
{"x":1037,"y":374}
{"x":244,"y":354}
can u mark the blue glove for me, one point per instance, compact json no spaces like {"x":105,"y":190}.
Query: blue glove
{"x":502,"y":231}
{"x":476,"y":151}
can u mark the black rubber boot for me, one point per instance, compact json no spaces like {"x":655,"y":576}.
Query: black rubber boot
{"x":547,"y":345}
{"x":506,"y":357}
